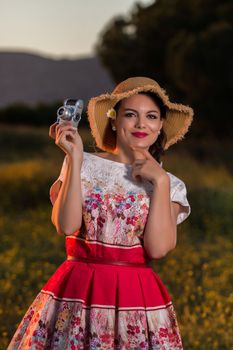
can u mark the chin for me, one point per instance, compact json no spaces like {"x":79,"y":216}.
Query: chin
{"x":139,"y":145}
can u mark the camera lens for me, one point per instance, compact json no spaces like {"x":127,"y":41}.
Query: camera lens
{"x":60,"y":111}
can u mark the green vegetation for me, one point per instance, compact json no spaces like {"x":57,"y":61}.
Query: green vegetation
{"x":198,"y":273}
{"x":38,"y":115}
{"x":185,"y":46}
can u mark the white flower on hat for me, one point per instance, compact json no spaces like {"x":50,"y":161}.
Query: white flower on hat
{"x":111,"y":113}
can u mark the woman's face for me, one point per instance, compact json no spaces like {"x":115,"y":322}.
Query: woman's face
{"x":137,"y":114}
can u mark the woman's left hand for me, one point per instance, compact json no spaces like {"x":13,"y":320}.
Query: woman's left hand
{"x":145,"y":166}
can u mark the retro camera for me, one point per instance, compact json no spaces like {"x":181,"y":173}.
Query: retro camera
{"x":70,"y":111}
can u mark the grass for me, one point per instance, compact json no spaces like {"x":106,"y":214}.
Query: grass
{"x":198,"y":273}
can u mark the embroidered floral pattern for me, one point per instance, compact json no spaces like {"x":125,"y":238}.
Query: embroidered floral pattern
{"x":115,"y":218}
{"x":70,"y":326}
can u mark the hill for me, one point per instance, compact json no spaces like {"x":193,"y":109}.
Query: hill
{"x":31,"y":79}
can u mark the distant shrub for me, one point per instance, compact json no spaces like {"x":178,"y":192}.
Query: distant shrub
{"x":212,"y":213}
{"x":39,"y":115}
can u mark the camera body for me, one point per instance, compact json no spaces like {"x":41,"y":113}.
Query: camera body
{"x":70,"y":111}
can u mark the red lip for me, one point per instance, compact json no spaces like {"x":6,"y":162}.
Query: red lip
{"x":139,"y":134}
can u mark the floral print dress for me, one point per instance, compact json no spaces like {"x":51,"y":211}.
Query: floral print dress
{"x":105,"y":295}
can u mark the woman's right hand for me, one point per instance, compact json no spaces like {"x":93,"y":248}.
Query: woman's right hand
{"x":67,"y":138}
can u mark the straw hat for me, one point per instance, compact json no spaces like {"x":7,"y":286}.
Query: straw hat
{"x":175,"y":125}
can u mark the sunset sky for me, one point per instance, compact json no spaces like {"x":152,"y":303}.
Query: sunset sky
{"x":57,"y":28}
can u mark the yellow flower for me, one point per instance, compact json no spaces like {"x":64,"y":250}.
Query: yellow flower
{"x":111,"y":113}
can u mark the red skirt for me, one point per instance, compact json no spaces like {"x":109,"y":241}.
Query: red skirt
{"x":100,"y":304}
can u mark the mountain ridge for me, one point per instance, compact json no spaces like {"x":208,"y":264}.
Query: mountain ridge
{"x":29,"y":78}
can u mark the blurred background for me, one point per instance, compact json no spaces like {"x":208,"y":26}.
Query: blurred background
{"x":50,"y":50}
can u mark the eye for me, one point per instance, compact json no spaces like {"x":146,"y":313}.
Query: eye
{"x":129,"y":114}
{"x":152,"y":116}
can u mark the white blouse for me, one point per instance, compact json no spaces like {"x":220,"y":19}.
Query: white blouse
{"x":115,"y":177}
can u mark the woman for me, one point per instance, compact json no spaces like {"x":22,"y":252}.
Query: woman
{"x":118,"y":210}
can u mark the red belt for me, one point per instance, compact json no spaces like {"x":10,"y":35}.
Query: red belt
{"x":108,"y":262}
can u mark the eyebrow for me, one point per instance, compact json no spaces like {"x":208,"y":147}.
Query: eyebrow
{"x":134,"y":110}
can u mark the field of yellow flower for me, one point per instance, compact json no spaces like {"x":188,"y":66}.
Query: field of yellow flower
{"x":198,"y":273}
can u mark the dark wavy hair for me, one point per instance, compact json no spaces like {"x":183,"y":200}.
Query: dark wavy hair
{"x":156,"y":149}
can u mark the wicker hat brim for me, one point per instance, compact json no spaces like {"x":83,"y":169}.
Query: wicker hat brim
{"x":178,"y":117}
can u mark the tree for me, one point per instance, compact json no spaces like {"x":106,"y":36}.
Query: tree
{"x":186,"y":45}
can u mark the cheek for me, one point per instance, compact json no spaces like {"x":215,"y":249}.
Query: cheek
{"x":125,"y":124}
{"x":154,"y":126}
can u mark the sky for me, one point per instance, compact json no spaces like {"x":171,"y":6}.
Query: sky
{"x":58,"y":28}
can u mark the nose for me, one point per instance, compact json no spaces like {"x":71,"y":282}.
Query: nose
{"x":140,"y":122}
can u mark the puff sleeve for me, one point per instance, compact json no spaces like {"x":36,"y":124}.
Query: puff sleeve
{"x":179,"y":194}
{"x":54,"y":189}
